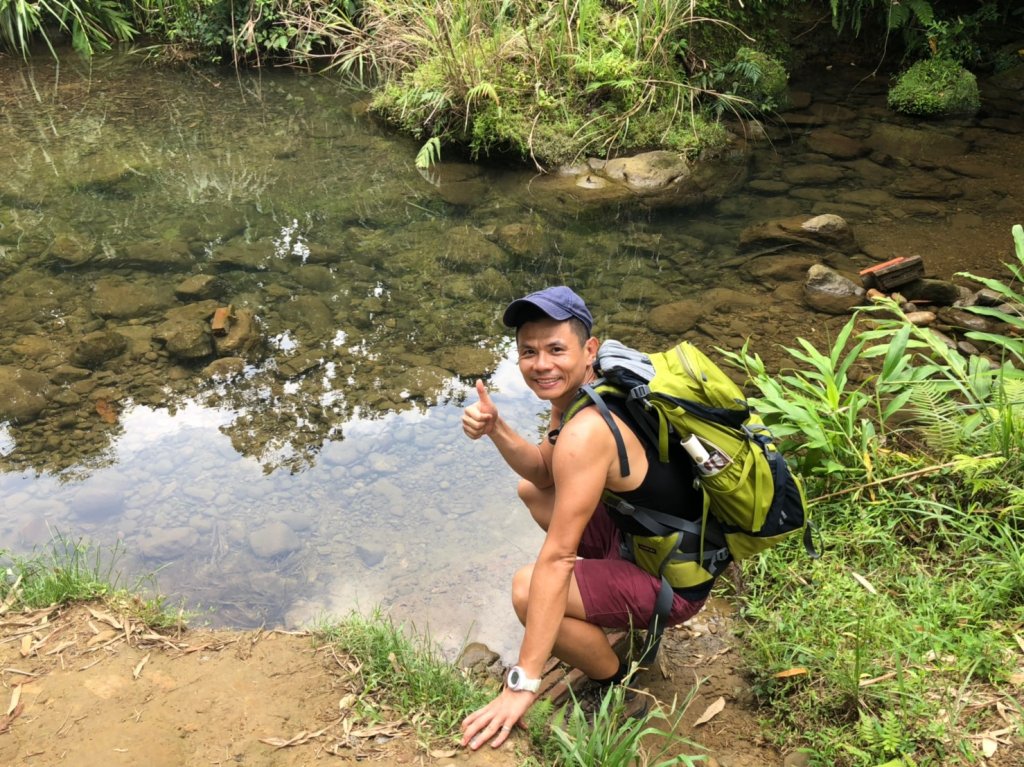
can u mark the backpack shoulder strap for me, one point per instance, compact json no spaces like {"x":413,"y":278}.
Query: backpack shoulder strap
{"x":602,"y":407}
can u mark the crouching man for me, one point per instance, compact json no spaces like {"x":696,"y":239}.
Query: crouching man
{"x":580,"y":584}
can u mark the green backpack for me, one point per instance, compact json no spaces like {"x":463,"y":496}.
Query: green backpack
{"x":751,"y":499}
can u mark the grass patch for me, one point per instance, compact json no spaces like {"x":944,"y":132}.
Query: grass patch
{"x":403,"y":673}
{"x":607,"y":737}
{"x":68,"y":571}
{"x":403,"y":676}
{"x":548,"y":83}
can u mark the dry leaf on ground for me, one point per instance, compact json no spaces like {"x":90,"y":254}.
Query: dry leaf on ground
{"x":863,"y":582}
{"x":798,"y":671}
{"x":711,"y":711}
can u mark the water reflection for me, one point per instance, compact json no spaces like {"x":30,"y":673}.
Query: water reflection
{"x":403,"y":512}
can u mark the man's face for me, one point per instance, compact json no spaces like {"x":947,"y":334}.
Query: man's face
{"x":552,"y":359}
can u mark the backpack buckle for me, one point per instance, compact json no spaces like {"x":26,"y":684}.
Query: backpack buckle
{"x":625,"y":507}
{"x":760,"y":433}
{"x":642,"y":391}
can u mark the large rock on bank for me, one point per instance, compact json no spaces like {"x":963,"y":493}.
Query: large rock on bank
{"x":659,"y":179}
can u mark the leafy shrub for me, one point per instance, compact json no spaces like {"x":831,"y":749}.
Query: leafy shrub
{"x":92,"y":24}
{"x":758,"y":78}
{"x":935,"y":87}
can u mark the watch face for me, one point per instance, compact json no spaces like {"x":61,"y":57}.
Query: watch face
{"x":514,"y":678}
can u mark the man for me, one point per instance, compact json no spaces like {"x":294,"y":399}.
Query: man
{"x":580,"y":584}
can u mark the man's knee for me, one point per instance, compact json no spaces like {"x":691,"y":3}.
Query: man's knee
{"x":528,"y":492}
{"x":539,"y":501}
{"x":521,"y":591}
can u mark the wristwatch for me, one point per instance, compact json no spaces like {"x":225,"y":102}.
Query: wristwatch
{"x":518,"y":680}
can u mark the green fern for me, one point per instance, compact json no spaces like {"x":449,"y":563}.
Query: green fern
{"x":482,"y":90}
{"x":883,"y":736}
{"x":898,"y":15}
{"x":429,"y":154}
{"x":903,"y":13}
{"x":937,"y":416}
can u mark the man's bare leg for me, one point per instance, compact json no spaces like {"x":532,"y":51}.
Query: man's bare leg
{"x":579,"y":643}
{"x":540,"y":502}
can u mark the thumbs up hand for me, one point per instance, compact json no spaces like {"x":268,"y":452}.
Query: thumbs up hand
{"x":480,"y":418}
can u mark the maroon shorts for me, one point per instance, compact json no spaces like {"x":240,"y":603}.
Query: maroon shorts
{"x":616,"y":593}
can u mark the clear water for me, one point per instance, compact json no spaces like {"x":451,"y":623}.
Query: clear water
{"x":332,"y":473}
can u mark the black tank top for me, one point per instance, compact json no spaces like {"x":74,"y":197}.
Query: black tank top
{"x":667,"y":487}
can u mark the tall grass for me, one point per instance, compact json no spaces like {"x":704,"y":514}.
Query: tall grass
{"x":901,"y":646}
{"x":67,"y":571}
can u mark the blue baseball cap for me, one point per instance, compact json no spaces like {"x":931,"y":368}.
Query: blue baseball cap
{"x":559,"y":303}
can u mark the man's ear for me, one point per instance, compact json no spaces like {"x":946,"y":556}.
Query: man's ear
{"x":591,"y":347}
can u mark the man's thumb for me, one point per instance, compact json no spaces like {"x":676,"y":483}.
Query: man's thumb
{"x":481,"y":390}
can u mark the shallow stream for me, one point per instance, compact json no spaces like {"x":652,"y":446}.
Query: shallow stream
{"x":324,"y":469}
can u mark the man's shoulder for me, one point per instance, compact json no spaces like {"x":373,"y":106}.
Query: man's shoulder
{"x":588,"y":424}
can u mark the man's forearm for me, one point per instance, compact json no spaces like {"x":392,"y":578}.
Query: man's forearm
{"x":549,"y":594}
{"x":525,"y":458}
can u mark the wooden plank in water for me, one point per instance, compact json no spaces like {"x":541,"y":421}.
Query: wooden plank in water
{"x":893,"y":273}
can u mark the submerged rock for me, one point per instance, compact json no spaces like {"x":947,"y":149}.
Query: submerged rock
{"x":93,"y":349}
{"x":23,"y":394}
{"x":225,"y":367}
{"x":116,"y":297}
{"x":677,"y":317}
{"x":96,"y":504}
{"x":199,"y":287}
{"x":659,"y":179}
{"x":71,"y":250}
{"x":827,"y":231}
{"x":167,"y":542}
{"x":836,"y":145}
{"x":932,"y":291}
{"x":155,"y":256}
{"x":915,"y":145}
{"x":185,"y":339}
{"x":243,"y":337}
{"x":274,"y":539}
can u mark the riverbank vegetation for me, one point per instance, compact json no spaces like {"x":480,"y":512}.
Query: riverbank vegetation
{"x":69,"y":571}
{"x":538,"y":82}
{"x":904,"y":644}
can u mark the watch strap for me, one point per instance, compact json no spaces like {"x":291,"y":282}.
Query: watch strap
{"x":518,"y":680}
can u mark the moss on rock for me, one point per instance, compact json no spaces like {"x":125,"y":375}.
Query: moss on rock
{"x":935,"y":87}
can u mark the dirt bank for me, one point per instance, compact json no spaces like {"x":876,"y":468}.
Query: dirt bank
{"x":83,"y":687}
